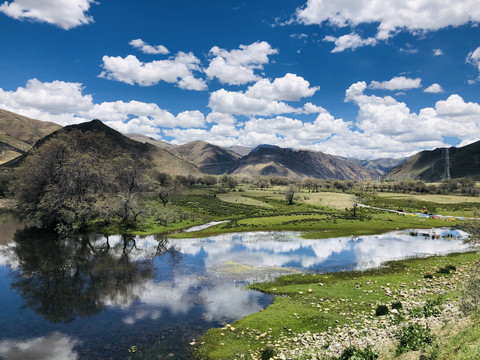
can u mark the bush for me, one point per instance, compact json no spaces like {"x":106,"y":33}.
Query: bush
{"x":428,"y":276}
{"x":413,"y":337}
{"x":451,"y":267}
{"x":443,"y":270}
{"x":470,"y":297}
{"x":431,"y":308}
{"x":397,"y":305}
{"x":267,"y":353}
{"x":381,"y":310}
{"x":353,"y":353}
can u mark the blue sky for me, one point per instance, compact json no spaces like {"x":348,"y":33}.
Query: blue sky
{"x":362,"y":79}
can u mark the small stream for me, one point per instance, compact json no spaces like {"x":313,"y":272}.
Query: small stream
{"x":97,"y":297}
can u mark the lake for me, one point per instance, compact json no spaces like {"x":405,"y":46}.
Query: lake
{"x":97,"y":297}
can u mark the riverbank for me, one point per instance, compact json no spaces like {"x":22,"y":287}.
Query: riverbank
{"x":318,"y":316}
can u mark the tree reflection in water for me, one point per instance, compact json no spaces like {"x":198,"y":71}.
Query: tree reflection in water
{"x":66,"y":278}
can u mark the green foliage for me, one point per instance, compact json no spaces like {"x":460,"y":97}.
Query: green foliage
{"x":353,"y":353}
{"x":5,"y":179}
{"x":381,"y":310}
{"x":470,"y":297}
{"x":75,"y":177}
{"x":443,"y":270}
{"x":267,"y":353}
{"x":431,"y":308}
{"x":472,"y":227}
{"x":290,"y":194}
{"x":397,"y":305}
{"x":413,"y":337}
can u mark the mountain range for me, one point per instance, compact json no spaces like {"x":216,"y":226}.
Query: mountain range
{"x":19,"y":133}
{"x":431,"y":165}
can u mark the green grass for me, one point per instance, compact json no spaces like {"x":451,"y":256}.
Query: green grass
{"x":303,"y":305}
{"x":435,"y":204}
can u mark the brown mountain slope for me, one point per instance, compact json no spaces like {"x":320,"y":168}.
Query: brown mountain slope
{"x":18,"y":133}
{"x":160,"y":159}
{"x":209,"y":158}
{"x":299,"y":164}
{"x":147,"y":139}
{"x":429,"y":165}
{"x":24,"y":128}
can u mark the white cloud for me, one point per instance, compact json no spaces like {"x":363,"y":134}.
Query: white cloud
{"x":434,"y":89}
{"x":189,"y":119}
{"x":397,"y":83}
{"x":310,"y":108}
{"x":65,"y":14}
{"x":148,"y":49}
{"x":349,"y":41}
{"x":238,"y":103}
{"x":53,"y":101}
{"x":474,"y":58}
{"x":220,"y":118}
{"x":289,"y":88}
{"x":178,"y":70}
{"x":392,"y":16}
{"x":237,"y":67}
{"x":388,"y":126}
{"x":438,"y":52}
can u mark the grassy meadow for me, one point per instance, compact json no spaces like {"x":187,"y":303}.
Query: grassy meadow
{"x":313,"y":312}
{"x":316,"y":214}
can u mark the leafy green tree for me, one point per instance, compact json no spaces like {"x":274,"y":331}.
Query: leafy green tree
{"x":290,"y":194}
{"x":74,"y":177}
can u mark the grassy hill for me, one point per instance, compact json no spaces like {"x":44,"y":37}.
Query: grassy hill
{"x":430,"y":165}
{"x":161,"y":160}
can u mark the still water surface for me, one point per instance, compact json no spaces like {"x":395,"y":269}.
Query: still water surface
{"x":94,"y":297}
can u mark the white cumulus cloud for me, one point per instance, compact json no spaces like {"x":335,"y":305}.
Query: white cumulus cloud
{"x":474,"y":58}
{"x":349,"y":41}
{"x":289,"y":88}
{"x":237,"y":67}
{"x":148,"y":49}
{"x":434,"y":89}
{"x":178,"y":70}
{"x":238,"y":103}
{"x":392,"y":16}
{"x":397,"y":83}
{"x":65,"y":14}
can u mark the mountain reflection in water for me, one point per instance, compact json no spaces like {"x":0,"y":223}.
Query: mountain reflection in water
{"x":94,"y":297}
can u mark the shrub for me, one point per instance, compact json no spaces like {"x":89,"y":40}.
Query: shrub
{"x":397,"y":305}
{"x":353,"y":353}
{"x":443,"y":270}
{"x":381,"y":310}
{"x":451,"y":267}
{"x":413,"y":337}
{"x":428,"y":276}
{"x":267,"y":353}
{"x":431,"y":308}
{"x":470,"y":297}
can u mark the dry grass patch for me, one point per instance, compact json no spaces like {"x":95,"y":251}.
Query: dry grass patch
{"x":331,"y":199}
{"x":235,"y":197}
{"x":434,"y":198}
